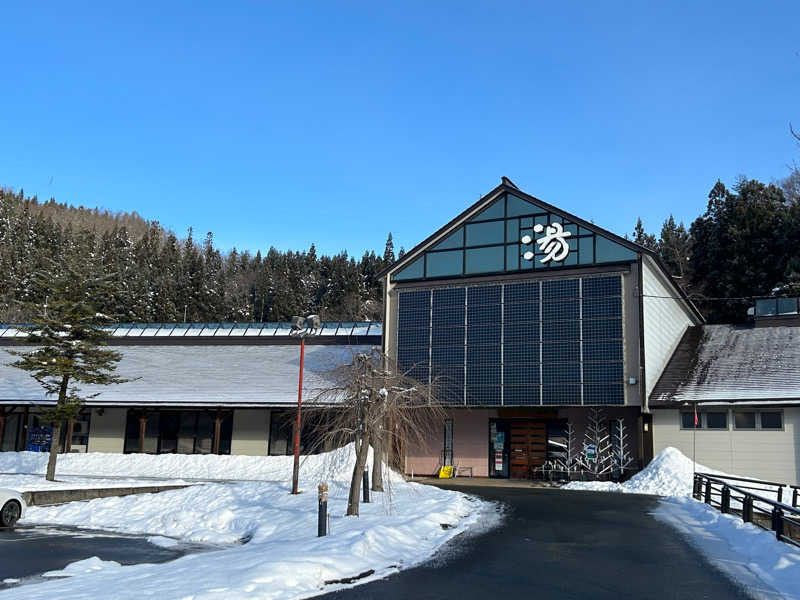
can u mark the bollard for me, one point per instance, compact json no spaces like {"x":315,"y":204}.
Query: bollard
{"x":322,"y":515}
{"x":365,"y":485}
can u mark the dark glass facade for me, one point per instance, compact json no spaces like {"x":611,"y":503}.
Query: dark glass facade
{"x":504,"y":238}
{"x":531,"y":343}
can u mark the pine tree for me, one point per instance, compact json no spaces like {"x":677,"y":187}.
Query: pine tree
{"x":641,"y":237}
{"x":69,"y":346}
{"x":388,"y":252}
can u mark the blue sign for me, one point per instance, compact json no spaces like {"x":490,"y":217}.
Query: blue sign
{"x":39,"y":439}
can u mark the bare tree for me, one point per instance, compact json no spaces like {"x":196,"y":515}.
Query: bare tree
{"x":372,"y":402}
{"x":596,"y":435}
{"x":621,"y":456}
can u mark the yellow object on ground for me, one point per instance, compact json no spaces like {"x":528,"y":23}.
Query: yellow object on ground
{"x":446,"y":472}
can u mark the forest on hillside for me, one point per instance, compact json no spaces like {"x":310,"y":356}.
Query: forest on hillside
{"x":744,"y":245}
{"x":161,"y":278}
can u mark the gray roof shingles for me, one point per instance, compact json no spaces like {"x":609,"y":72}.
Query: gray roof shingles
{"x":732,"y":363}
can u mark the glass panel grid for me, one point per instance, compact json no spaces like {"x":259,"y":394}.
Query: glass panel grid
{"x":518,"y":344}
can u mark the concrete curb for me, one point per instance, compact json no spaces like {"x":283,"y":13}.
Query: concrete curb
{"x":49,"y":497}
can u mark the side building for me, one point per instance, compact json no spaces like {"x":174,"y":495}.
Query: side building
{"x":743,"y":382}
{"x":196,"y":388}
{"x":527,"y":318}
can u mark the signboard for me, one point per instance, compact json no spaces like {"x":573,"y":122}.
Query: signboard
{"x":590,"y":451}
{"x":39,"y":439}
{"x":498,"y":460}
{"x":553,"y":243}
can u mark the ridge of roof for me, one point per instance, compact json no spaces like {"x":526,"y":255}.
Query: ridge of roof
{"x":506,"y":185}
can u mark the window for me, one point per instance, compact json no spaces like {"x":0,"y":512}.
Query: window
{"x":485,"y":260}
{"x":441,"y":264}
{"x":717,"y":420}
{"x":687,"y":421}
{"x":772,"y":420}
{"x":744,"y":420}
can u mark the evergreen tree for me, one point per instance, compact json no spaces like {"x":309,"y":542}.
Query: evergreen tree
{"x":641,"y":237}
{"x":388,"y":251}
{"x":69,"y":346}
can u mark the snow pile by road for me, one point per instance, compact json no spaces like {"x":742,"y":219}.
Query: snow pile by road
{"x":670,"y":473}
{"x":313,"y":468}
{"x":749,"y":554}
{"x":269,"y":538}
{"x":746,"y":552}
{"x":33,"y":483}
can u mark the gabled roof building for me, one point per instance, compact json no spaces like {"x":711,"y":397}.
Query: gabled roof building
{"x":527,"y":318}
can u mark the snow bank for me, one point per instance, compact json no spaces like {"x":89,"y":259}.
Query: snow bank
{"x":749,"y":554}
{"x":670,"y":473}
{"x":33,"y":483}
{"x":744,"y":551}
{"x":270,"y":547}
{"x":331,"y":465}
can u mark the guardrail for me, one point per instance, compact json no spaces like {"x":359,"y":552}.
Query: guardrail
{"x":757,"y":502}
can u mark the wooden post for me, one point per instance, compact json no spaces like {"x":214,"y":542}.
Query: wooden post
{"x":296,"y":465}
{"x":142,"y":428}
{"x":68,"y":438}
{"x":25,"y":414}
{"x":217,"y":430}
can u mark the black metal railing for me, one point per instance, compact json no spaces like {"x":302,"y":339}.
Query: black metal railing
{"x":757,"y":502}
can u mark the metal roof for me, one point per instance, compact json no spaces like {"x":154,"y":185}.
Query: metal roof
{"x":732,"y":363}
{"x":200,"y":375}
{"x":131,"y":330}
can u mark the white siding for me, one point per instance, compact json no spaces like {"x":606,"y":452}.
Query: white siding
{"x":107,"y":430}
{"x":770,"y":455}
{"x":250,"y":432}
{"x":665,"y":321}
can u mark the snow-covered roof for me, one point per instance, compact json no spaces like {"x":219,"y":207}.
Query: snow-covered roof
{"x":732,"y":363}
{"x":200,"y":375}
{"x":175,"y":330}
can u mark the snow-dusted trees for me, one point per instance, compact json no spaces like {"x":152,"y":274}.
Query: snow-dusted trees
{"x":162,"y":278}
{"x":373,"y":404}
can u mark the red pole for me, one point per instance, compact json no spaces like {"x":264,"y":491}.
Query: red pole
{"x":296,"y":469}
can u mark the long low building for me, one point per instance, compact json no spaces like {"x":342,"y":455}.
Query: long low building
{"x":194,"y":388}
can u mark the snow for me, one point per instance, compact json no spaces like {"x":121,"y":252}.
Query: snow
{"x":268,"y":536}
{"x":82,"y":567}
{"x":670,"y":473}
{"x":35,"y":483}
{"x":182,"y":466}
{"x":748,"y":553}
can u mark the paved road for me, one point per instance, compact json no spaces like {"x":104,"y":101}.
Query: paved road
{"x":559,"y":544}
{"x":39,"y":549}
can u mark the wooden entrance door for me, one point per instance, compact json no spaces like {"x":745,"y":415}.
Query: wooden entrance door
{"x":528,"y":447}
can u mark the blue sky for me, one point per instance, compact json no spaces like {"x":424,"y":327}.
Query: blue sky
{"x":335,"y":122}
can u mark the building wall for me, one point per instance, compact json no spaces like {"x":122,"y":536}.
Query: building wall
{"x":470,"y":445}
{"x":107,"y":430}
{"x":761,"y":454}
{"x":665,"y":321}
{"x":250,"y":431}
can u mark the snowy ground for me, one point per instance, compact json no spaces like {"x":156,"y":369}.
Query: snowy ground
{"x":749,"y":554}
{"x":167,"y":466}
{"x":33,"y":483}
{"x":269,"y":536}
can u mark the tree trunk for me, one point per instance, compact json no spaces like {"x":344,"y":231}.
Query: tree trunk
{"x":378,"y":460}
{"x":68,"y":438}
{"x":358,"y":471}
{"x":51,"y":461}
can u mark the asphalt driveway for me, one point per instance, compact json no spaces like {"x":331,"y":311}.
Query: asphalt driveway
{"x":29,"y":551}
{"x":561,"y":544}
